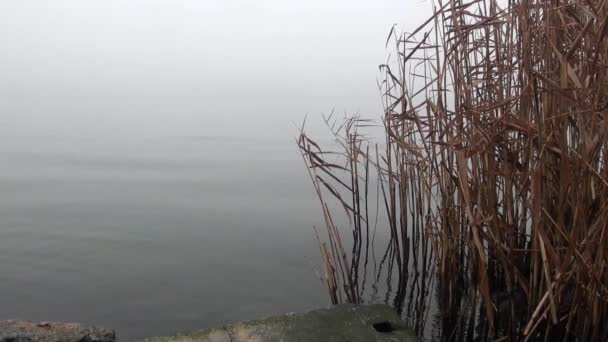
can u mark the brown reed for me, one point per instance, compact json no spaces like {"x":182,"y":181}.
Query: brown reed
{"x":493,"y":175}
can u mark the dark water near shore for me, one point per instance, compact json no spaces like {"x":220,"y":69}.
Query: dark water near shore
{"x":155,"y":235}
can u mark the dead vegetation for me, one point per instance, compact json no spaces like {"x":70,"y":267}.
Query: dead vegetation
{"x":492,"y":180}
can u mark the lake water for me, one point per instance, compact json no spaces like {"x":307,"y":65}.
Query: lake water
{"x":134,"y":192}
{"x":155,"y":235}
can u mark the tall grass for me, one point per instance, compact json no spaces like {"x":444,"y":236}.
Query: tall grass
{"x":492,"y":177}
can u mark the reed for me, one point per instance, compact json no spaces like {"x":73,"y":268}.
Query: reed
{"x":492,"y":181}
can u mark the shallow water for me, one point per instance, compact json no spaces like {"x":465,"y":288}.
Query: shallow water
{"x":155,"y":235}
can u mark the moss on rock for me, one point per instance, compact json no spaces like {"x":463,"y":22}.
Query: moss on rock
{"x":340,"y":323}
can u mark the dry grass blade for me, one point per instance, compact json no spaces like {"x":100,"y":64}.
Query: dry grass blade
{"x":494,"y":166}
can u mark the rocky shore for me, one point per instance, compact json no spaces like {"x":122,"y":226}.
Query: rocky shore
{"x":350,"y":323}
{"x":24,"y":331}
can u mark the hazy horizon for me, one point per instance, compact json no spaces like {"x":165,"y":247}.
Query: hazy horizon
{"x":190,"y":67}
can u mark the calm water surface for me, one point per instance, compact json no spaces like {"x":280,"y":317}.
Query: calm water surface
{"x":155,"y":235}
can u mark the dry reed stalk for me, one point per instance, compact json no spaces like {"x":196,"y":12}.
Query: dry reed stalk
{"x":495,"y":165}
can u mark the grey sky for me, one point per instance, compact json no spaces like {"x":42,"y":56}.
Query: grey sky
{"x":189,"y":67}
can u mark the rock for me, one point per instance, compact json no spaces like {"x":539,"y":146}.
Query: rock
{"x":340,"y":323}
{"x":23,"y":331}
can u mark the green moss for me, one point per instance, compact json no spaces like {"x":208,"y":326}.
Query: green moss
{"x":340,"y":323}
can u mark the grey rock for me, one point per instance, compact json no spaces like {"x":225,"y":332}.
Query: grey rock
{"x":340,"y":323}
{"x":24,"y":331}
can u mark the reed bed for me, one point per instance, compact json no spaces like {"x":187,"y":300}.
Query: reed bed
{"x":492,"y":179}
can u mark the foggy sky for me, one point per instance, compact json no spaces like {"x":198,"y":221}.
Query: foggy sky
{"x":139,"y":67}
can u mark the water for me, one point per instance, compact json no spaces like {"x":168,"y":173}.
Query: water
{"x":131,"y":192}
{"x":155,"y":235}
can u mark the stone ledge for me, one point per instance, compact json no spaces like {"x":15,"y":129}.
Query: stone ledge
{"x":340,"y":323}
{"x":24,"y":331}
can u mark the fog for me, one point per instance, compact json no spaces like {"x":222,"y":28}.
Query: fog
{"x":226,"y":68}
{"x":148,"y":165}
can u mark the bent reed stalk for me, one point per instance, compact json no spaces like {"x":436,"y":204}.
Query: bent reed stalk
{"x":492,"y":178}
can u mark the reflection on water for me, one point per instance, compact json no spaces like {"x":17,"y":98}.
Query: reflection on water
{"x":166,"y":234}
{"x":155,"y":235}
